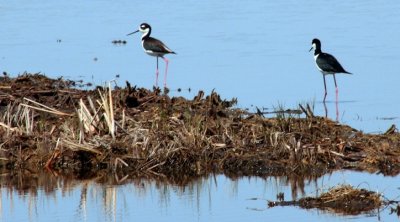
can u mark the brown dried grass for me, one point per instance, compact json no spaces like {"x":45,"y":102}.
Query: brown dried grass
{"x":138,"y":130}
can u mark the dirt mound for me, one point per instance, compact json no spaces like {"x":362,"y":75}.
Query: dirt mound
{"x":50,"y":123}
{"x":344,"y":200}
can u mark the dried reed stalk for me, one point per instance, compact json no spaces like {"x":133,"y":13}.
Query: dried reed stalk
{"x":85,"y":117}
{"x":44,"y":109}
{"x":13,"y":129}
{"x":107,"y":104}
{"x":75,"y":146}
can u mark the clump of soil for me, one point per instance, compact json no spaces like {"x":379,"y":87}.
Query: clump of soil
{"x":49,"y":123}
{"x":343,"y":199}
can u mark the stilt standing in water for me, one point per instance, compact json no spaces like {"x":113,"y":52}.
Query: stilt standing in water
{"x":154,"y":47}
{"x":327,"y":64}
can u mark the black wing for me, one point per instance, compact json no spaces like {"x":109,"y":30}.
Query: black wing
{"x":329,"y":63}
{"x":156,"y":45}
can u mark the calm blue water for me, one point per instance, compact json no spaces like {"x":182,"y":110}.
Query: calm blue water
{"x":215,"y":198}
{"x":256,"y":51}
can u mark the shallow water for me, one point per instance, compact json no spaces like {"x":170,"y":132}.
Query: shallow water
{"x":215,"y":198}
{"x":256,"y":51}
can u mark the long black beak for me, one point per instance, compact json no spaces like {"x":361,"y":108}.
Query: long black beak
{"x":133,"y":32}
{"x":311,"y":49}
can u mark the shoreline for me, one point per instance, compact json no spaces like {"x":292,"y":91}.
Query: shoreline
{"x":49,"y":123}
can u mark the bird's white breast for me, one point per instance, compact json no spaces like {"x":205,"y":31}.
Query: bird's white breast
{"x":323,"y":72}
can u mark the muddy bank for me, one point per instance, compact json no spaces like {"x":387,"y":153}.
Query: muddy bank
{"x":51,"y":124}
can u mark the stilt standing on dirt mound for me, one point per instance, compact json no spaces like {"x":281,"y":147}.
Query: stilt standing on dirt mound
{"x":327,"y":64}
{"x":154,"y":47}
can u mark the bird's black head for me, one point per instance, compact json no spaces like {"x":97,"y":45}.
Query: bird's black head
{"x":316,"y":45}
{"x":143,"y":28}
{"x":316,"y":42}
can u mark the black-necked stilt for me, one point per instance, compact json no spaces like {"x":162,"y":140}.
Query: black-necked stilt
{"x":327,"y":64}
{"x":154,"y":47}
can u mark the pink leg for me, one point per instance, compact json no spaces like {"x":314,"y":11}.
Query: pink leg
{"x":326,"y":93}
{"x":157,"y":77}
{"x":157,"y":73}
{"x":337,"y":99}
{"x":166,"y":70}
{"x":337,"y":111}
{"x":337,"y":90}
{"x":337,"y":94}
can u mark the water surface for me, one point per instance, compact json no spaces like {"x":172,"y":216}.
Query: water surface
{"x":213,"y":198}
{"x":256,"y":51}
